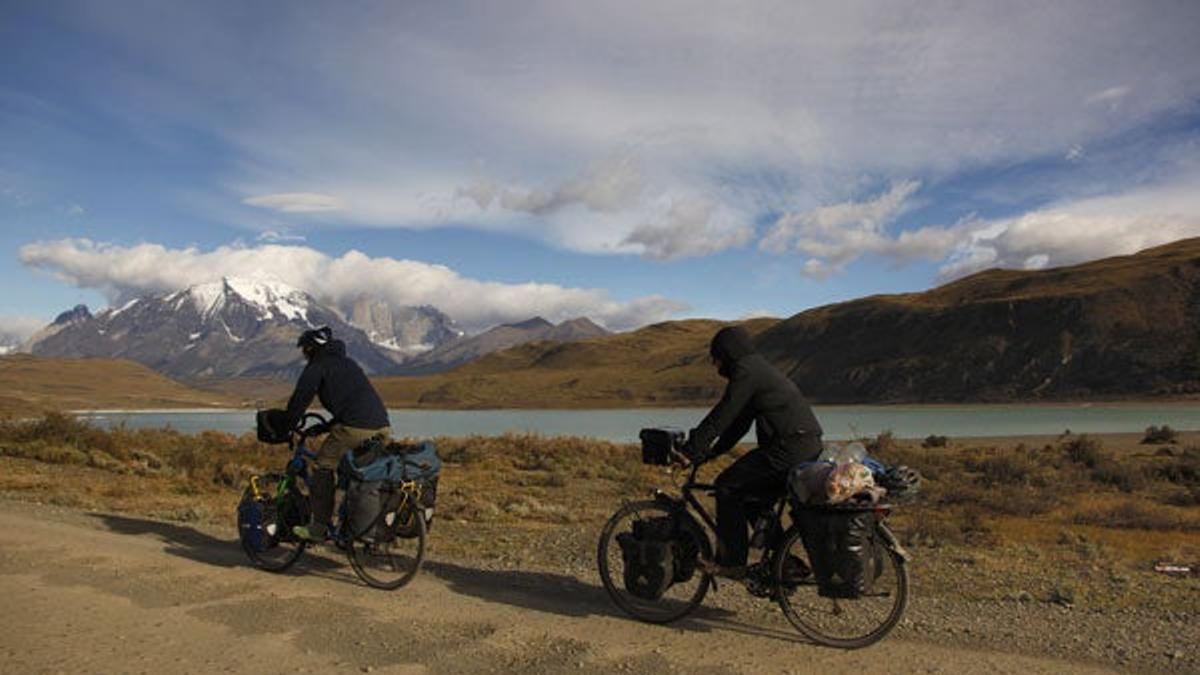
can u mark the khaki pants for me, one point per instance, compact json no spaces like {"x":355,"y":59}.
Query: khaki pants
{"x":343,"y":439}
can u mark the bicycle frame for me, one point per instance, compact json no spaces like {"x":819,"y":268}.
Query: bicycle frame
{"x":687,"y":491}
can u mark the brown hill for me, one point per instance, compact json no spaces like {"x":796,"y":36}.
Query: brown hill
{"x":33,"y":384}
{"x":1119,"y":327}
{"x":661,"y":365}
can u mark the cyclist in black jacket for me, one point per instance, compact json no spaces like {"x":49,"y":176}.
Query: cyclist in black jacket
{"x":788,"y":433}
{"x":358,"y":415}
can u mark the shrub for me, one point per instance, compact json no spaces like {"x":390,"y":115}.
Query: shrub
{"x":1134,"y":516}
{"x":1125,"y":479}
{"x":882,"y":445}
{"x":1083,"y":450}
{"x":933,"y":441}
{"x":1163,"y":434}
{"x":1184,"y":470}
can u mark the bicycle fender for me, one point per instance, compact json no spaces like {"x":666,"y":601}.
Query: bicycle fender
{"x":892,"y":543}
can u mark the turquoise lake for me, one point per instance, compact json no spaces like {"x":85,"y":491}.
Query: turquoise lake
{"x":839,"y":422}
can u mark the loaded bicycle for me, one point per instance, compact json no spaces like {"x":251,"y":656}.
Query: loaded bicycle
{"x":649,"y":561}
{"x":385,"y":548}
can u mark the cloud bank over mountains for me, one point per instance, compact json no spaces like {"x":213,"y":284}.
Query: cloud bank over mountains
{"x":123,"y":272}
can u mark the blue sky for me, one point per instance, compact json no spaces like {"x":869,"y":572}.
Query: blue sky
{"x":632,"y":161}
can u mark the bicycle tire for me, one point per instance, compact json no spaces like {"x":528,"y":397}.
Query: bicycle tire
{"x":808,"y":626}
{"x":366,"y":555}
{"x":640,"y":608}
{"x":288,"y":549}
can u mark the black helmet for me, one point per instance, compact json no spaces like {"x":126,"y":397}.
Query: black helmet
{"x":317,"y":337}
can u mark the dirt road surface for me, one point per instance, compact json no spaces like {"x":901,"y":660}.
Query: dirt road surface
{"x":97,"y":593}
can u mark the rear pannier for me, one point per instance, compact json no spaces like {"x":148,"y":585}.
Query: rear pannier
{"x":372,"y":476}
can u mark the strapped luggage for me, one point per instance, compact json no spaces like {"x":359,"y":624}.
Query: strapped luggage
{"x":371,"y":475}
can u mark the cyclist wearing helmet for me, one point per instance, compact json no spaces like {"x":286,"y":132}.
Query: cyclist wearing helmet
{"x":788,"y":433}
{"x":358,"y":415}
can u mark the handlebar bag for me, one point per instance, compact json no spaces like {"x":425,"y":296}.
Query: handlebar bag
{"x":657,"y":443}
{"x":272,"y":426}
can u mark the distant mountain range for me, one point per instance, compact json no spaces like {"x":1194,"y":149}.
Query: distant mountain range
{"x":227,"y":328}
{"x":457,"y":352}
{"x":247,"y":328}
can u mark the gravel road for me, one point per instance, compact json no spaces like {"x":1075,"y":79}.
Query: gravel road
{"x":99,"y":593}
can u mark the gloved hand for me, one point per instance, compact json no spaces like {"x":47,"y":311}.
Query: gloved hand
{"x":692,"y":452}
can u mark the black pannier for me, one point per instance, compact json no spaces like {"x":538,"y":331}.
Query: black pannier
{"x":657,"y":444}
{"x":657,"y":554}
{"x":272,"y":426}
{"x":366,"y":502}
{"x":844,"y":551}
{"x":649,"y":557}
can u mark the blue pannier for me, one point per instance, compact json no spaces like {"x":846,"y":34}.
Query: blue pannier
{"x":393,"y":463}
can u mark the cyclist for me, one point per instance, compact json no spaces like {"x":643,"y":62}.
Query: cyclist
{"x":357,"y":411}
{"x":788,"y":433}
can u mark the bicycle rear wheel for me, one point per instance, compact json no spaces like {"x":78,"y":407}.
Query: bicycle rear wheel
{"x":388,"y":565}
{"x":847,"y":623}
{"x":265,"y":524}
{"x":680,"y":598}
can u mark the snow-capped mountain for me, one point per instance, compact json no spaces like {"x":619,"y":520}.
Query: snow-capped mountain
{"x":409,"y":331}
{"x":234,"y":327}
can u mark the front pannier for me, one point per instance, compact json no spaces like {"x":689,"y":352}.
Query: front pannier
{"x":648,"y":557}
{"x":842,"y":546}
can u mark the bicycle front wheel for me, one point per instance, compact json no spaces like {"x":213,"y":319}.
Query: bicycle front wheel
{"x":390,"y":564}
{"x":689,"y":585}
{"x":843,"y":622}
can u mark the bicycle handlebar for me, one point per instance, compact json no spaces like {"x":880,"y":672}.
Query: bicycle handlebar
{"x":320,"y":427}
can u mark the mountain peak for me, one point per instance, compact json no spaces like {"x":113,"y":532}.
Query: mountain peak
{"x":265,"y":295}
{"x":76,"y":313}
{"x":535,"y":323}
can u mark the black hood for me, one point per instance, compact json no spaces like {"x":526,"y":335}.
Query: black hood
{"x":730,"y":344}
{"x":335,"y":348}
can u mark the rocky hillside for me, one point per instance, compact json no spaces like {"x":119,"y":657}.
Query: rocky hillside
{"x":408,"y":331}
{"x":228,"y":328}
{"x":1125,"y":326}
{"x":1114,"y":328}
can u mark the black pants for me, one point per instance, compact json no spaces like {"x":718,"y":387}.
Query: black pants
{"x":748,"y":485}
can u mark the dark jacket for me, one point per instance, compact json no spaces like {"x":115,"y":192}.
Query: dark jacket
{"x":757,"y":393}
{"x":342,"y":387}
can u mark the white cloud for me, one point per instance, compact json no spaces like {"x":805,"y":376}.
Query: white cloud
{"x":691,"y":226}
{"x":834,"y":236}
{"x":1081,"y":230}
{"x":16,"y":329}
{"x":277,"y":237}
{"x":429,"y":116}
{"x":296,"y":202}
{"x":121,"y":272}
{"x":1109,"y":95}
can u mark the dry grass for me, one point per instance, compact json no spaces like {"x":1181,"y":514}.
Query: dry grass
{"x":1027,"y":515}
